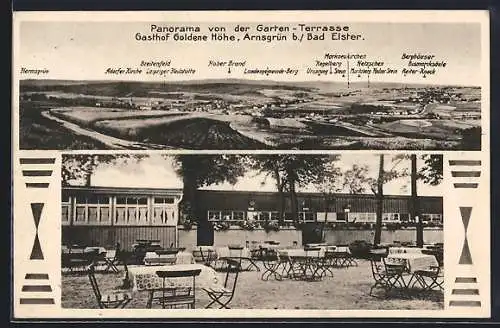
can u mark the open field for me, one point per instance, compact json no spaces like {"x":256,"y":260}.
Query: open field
{"x":427,"y":128}
{"x":86,"y":115}
{"x":347,"y":290}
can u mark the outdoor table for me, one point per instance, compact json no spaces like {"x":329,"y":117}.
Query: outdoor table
{"x":405,"y":250}
{"x":99,"y":249}
{"x":152,"y":258}
{"x":269,"y":246}
{"x":414,"y":261}
{"x":80,"y":258}
{"x":144,"y":278}
{"x":238,"y":253}
{"x":184,"y":258}
{"x":305,"y":264}
{"x":271,"y":263}
{"x":317,"y":245}
{"x":338,"y":256}
{"x":79,"y":250}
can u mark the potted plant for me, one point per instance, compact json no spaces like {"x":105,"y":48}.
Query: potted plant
{"x":272,"y":225}
{"x":221,"y":226}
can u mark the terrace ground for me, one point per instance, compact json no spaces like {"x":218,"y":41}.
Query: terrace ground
{"x":348,"y":289}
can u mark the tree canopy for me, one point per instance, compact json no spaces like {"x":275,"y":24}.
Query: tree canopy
{"x":81,"y":167}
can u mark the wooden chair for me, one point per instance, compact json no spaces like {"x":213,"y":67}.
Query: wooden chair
{"x":395,"y":272}
{"x":125,"y":258}
{"x":378,"y":273}
{"x":270,"y":261}
{"x":112,"y":261}
{"x":224,"y":295}
{"x":428,"y":279}
{"x":105,"y":301}
{"x":208,"y":256}
{"x":175,"y":296}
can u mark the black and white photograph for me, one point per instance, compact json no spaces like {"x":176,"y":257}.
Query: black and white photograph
{"x":251,"y":164}
{"x":388,"y":87}
{"x":288,"y":231}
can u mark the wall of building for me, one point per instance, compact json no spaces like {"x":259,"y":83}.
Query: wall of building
{"x":108,"y":236}
{"x":431,"y":235}
{"x":267,"y":201}
{"x":187,"y":238}
{"x":286,"y":237}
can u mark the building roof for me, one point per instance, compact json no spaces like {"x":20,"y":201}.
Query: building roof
{"x":123,"y":190}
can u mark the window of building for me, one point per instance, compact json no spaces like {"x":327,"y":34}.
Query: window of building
{"x":214,"y":216}
{"x":93,"y":209}
{"x":65,"y":209}
{"x":131,"y":211}
{"x":239,"y":215}
{"x":390,"y":217}
{"x":362,"y":217}
{"x":164,"y":211}
{"x":230,"y":216}
{"x":163,"y":200}
{"x":307,"y":216}
{"x":432,"y":218}
{"x":330,"y":216}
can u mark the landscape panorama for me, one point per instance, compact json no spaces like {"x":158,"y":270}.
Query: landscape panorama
{"x":236,"y":114}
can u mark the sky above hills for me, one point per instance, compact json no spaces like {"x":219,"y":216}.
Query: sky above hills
{"x":84,"y":50}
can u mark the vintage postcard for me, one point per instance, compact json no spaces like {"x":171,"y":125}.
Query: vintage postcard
{"x":251,"y":164}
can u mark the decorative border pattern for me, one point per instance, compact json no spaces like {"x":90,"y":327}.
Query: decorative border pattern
{"x":35,"y":285}
{"x":465,"y":292}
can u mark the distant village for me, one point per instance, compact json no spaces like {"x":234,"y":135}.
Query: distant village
{"x":387,"y":103}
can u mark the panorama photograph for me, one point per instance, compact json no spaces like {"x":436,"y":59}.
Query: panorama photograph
{"x":238,"y":114}
{"x":294,"y":232}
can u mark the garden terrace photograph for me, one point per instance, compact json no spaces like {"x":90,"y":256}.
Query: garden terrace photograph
{"x":338,"y":231}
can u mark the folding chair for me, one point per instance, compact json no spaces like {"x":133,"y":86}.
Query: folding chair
{"x":198,"y":256}
{"x":208,"y":256}
{"x":111,"y":261}
{"x":105,"y":301}
{"x":378,"y":273}
{"x":394,"y":272}
{"x":224,"y":295}
{"x":174,"y":296}
{"x":328,"y":263}
{"x":428,"y":279}
{"x":270,"y":261}
{"x":349,"y":260}
{"x":124,"y":258}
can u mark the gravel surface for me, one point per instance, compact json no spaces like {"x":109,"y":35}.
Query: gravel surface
{"x":347,"y":290}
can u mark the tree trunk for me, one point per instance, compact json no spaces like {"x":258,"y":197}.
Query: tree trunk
{"x":205,"y":231}
{"x":414,"y":201}
{"x":88,"y":173}
{"x":88,"y":179}
{"x":281,"y":195}
{"x":293,"y":200}
{"x":327,"y":203}
{"x":380,"y":202}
